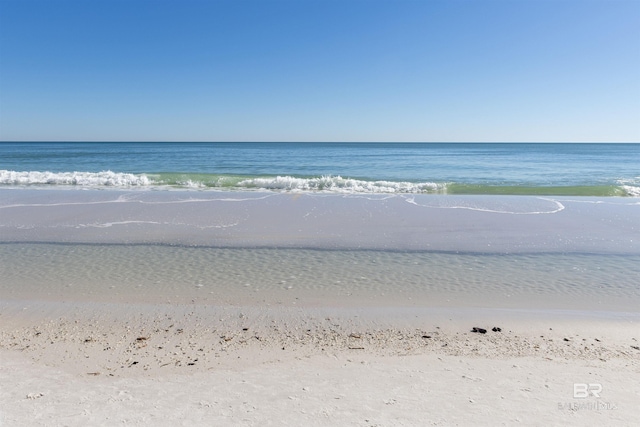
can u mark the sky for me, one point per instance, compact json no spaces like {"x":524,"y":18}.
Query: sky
{"x":332,"y":70}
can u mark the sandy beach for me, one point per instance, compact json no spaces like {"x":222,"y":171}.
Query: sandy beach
{"x":75,"y":364}
{"x":100,"y":325}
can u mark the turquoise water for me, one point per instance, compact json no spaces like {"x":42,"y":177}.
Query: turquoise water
{"x":452,"y":168}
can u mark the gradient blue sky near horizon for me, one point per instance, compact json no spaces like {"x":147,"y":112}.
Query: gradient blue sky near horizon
{"x":306,"y":70}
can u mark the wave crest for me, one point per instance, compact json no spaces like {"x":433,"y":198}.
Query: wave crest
{"x":84,"y":179}
{"x":631,"y":186}
{"x":337,"y":184}
{"x":324,"y":184}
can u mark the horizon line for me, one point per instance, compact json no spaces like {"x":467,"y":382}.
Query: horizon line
{"x":312,"y":142}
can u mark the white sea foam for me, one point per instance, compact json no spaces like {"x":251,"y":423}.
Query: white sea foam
{"x":631,"y":186}
{"x":114,"y":223}
{"x":337,"y":184}
{"x":191,"y":184}
{"x":498,"y":206}
{"x":85,"y":179}
{"x":632,"y":190}
{"x":329,"y":184}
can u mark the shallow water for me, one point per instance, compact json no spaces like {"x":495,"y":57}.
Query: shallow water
{"x":464,"y":224}
{"x":310,"y":249}
{"x":156,"y":273}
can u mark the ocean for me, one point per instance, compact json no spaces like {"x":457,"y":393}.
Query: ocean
{"x":418,"y":168}
{"x":513,"y":226}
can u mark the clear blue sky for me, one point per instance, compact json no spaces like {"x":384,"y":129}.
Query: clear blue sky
{"x":305,"y":70}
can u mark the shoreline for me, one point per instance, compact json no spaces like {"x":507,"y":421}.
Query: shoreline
{"x":465,"y":224}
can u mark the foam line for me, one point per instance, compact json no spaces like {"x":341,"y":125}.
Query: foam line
{"x":559,"y":207}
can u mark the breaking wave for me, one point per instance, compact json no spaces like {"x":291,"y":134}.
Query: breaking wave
{"x":326,"y":184}
{"x":85,"y":179}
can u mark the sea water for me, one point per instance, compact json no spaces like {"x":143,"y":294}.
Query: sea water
{"x":315,"y":277}
{"x":284,"y":223}
{"x":479,"y":168}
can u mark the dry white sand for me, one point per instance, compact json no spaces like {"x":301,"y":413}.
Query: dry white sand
{"x":336,"y":389}
{"x":110,"y":364}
